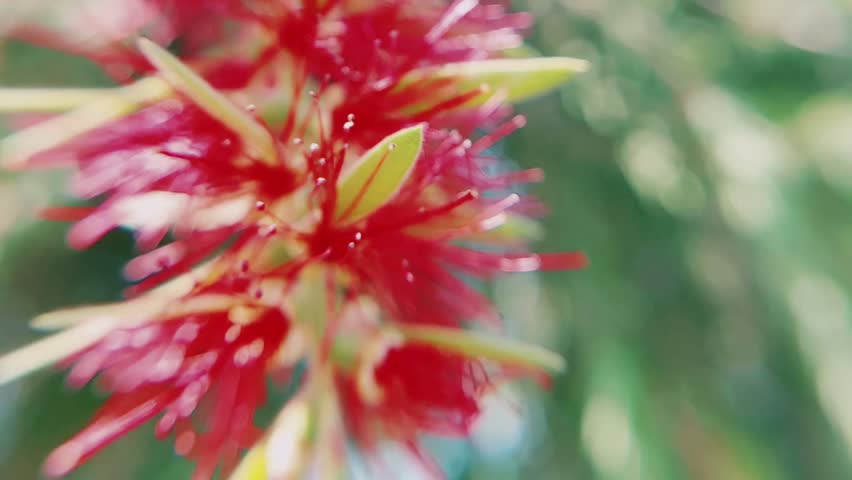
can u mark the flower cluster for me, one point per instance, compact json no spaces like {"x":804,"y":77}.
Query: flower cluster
{"x":311,"y":188}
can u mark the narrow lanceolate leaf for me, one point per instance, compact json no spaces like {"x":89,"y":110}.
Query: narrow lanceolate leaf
{"x":256,"y":138}
{"x":159,"y":301}
{"x":283,"y":452}
{"x":515,"y":228}
{"x":289,"y":440}
{"x":377,"y":176}
{"x":50,"y":100}
{"x":253,"y":465}
{"x":477,"y":345}
{"x":131,"y":312}
{"x":52,"y":349}
{"x":17,"y":148}
{"x":517,"y":78}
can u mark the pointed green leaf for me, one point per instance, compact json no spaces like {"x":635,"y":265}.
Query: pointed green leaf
{"x":517,"y":78}
{"x":478,"y":345}
{"x":217,"y":105}
{"x":515,"y":228}
{"x":377,"y":176}
{"x":49,"y":350}
{"x":50,"y":100}
{"x":522,"y":51}
{"x":253,"y":465}
{"x":17,"y":148}
{"x":143,"y":306}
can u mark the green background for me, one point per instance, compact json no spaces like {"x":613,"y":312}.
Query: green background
{"x":705,"y":166}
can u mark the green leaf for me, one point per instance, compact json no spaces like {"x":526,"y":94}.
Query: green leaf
{"x":50,"y":100}
{"x":217,"y":105}
{"x":377,"y":176}
{"x":515,"y":228}
{"x":478,"y":345}
{"x":522,"y":51}
{"x":17,"y":148}
{"x":49,"y":350}
{"x":253,"y":465}
{"x":518,"y":78}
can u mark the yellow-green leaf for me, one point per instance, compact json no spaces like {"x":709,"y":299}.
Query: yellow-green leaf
{"x":284,"y":451}
{"x":522,"y":51}
{"x":517,"y":78}
{"x":49,"y":350}
{"x":50,"y":100}
{"x":515,"y":228}
{"x":478,"y":345}
{"x":253,"y":465}
{"x":259,"y":142}
{"x":17,"y":148}
{"x":377,"y":176}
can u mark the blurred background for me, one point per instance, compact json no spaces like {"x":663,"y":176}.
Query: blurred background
{"x":705,"y":165}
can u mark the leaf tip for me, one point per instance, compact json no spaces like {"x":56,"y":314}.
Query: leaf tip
{"x":147,"y":47}
{"x":376,"y":177}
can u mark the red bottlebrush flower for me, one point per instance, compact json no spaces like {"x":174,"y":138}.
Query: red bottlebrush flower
{"x":427,"y":390}
{"x":175,"y":159}
{"x":284,"y":217}
{"x":413,"y":390}
{"x":104,"y":30}
{"x":185,"y":171}
{"x":369,"y":44}
{"x":172,"y":366}
{"x":407,"y":254}
{"x":374,"y":51}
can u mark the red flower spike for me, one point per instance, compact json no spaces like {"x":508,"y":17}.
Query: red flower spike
{"x":170,"y":368}
{"x":425,"y":390}
{"x":103,"y":30}
{"x":400,"y":253}
{"x":346,"y":168}
{"x":421,"y":391}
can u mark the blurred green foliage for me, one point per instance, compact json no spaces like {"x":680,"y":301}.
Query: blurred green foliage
{"x":705,"y":165}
